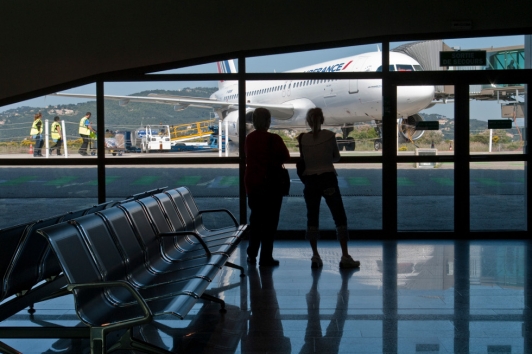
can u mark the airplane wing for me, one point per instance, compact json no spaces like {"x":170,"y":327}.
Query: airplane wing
{"x":279,"y":111}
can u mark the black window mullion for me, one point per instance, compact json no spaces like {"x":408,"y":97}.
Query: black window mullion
{"x":242,"y":137}
{"x":461,"y":153}
{"x":100,"y":131}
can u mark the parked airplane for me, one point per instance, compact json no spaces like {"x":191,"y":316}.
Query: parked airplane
{"x":344,"y":102}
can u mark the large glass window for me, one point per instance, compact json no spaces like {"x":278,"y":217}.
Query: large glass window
{"x":425,"y":196}
{"x":425,"y":186}
{"x":176,"y":119}
{"x":497,"y":121}
{"x":502,"y":53}
{"x":213,"y":187}
{"x":22,"y":136}
{"x":343,"y":59}
{"x":165,"y":118}
{"x":221,"y":67}
{"x":498,"y":196}
{"x":30,"y":193}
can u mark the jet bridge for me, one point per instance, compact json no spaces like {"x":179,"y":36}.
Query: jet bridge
{"x":427,"y":53}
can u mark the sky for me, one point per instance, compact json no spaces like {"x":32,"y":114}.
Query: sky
{"x":285,"y":62}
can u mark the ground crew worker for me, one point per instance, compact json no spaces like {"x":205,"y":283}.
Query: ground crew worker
{"x":85,"y":129}
{"x":57,"y":136}
{"x":36,"y":134}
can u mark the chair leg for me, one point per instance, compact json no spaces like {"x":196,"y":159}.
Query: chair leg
{"x":98,"y":340}
{"x":232,"y":265}
{"x":127,"y":342}
{"x":208,"y":297}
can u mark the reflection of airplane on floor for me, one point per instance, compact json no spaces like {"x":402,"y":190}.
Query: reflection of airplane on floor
{"x":344,"y":102}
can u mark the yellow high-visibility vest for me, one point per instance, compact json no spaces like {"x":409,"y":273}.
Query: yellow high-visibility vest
{"x":34,"y":129}
{"x":55,"y":130}
{"x":83,"y":129}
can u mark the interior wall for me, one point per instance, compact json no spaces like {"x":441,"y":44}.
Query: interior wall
{"x":47,"y":43}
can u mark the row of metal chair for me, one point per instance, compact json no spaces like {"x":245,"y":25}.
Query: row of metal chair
{"x":28,"y":268}
{"x":142,"y":258}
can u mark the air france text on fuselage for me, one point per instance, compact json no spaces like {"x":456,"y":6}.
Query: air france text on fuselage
{"x":332,"y":68}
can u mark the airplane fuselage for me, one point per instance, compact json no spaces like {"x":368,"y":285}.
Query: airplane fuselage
{"x":343,"y":101}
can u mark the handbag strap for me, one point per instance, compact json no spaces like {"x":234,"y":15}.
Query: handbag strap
{"x":270,"y":153}
{"x":271,"y":163}
{"x":299,"y":138}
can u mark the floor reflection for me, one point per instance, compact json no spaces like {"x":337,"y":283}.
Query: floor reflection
{"x":407,"y":297}
{"x":315,"y":341}
{"x":265,"y":333}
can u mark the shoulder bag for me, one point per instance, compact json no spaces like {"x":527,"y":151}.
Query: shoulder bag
{"x":300,"y":164}
{"x":277,"y":177}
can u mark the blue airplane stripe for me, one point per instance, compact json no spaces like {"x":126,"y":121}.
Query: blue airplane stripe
{"x":226,"y":67}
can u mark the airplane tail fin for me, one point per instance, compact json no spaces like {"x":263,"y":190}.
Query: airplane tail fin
{"x":225,"y":67}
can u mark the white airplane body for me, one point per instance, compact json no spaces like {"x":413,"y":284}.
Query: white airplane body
{"x":344,"y":102}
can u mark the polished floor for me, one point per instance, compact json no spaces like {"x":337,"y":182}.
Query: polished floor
{"x":407,"y":297}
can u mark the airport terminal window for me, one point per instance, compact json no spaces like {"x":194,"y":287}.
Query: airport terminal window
{"x":426,"y":131}
{"x":147,"y":118}
{"x":215,"y":187}
{"x":324,"y":60}
{"x":357,"y":140}
{"x":31,"y":193}
{"x":221,"y":67}
{"x":502,"y":53}
{"x":361,"y":188}
{"x":497,"y":119}
{"x":498,"y":198}
{"x":17,"y":138}
{"x":425,"y":196}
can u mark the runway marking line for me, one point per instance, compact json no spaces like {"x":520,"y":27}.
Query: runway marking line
{"x":60,"y":181}
{"x":146,"y":180}
{"x":488,"y":182}
{"x":19,"y":180}
{"x":359,"y":181}
{"x":108,"y":180}
{"x":404,"y":182}
{"x":188,"y":180}
{"x":443,"y":181}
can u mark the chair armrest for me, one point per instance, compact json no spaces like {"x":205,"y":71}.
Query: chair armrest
{"x":148,"y":316}
{"x":187,"y":233}
{"x":220,"y":210}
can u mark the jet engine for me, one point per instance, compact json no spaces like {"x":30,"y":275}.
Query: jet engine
{"x":232,"y":125}
{"x":407,"y":128}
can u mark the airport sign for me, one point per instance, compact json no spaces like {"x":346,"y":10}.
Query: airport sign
{"x":428,"y":125}
{"x":499,"y":124}
{"x":463,"y":58}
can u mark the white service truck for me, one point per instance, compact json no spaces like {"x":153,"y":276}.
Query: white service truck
{"x":153,"y":138}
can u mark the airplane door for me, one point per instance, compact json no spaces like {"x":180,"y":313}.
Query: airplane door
{"x":358,"y":65}
{"x":353,"y":86}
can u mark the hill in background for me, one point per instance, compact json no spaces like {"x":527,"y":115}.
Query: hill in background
{"x":128,"y":117}
{"x":16,"y":123}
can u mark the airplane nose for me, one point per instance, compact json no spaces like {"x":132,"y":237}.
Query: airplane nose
{"x":412,"y":99}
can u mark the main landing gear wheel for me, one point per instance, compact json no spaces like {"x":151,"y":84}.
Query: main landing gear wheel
{"x":350,"y":144}
{"x":377,"y":145}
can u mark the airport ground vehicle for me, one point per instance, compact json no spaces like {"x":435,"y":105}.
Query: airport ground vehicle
{"x":153,"y":138}
{"x":210,"y":145}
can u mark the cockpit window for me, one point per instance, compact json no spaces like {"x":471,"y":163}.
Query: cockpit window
{"x":391,"y":68}
{"x":418,"y":68}
{"x":404,"y":67}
